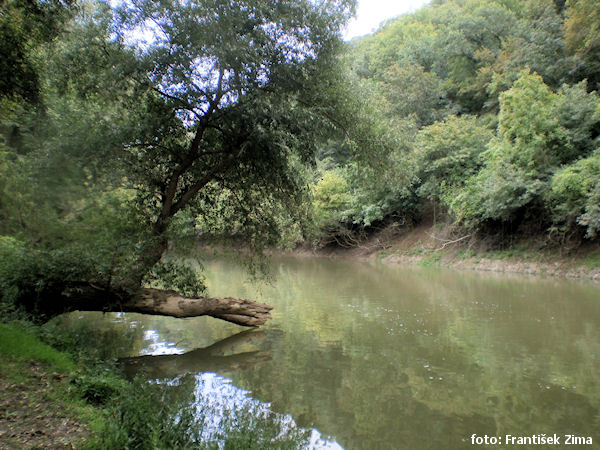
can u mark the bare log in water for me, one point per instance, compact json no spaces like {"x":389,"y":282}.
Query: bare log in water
{"x":169,"y":303}
{"x":89,"y":297}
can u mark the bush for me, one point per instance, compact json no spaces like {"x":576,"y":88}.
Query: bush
{"x":448,"y":153}
{"x":145,"y":416}
{"x":331,"y":198}
{"x":30,"y":276}
{"x":575,"y":196}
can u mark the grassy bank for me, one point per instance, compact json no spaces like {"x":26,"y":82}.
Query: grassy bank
{"x":74,"y":399}
{"x":71,"y":399}
{"x":38,"y":406}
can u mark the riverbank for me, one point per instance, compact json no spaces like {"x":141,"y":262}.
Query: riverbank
{"x":38,"y":408}
{"x":439,"y":246}
{"x":78,"y":399}
{"x":52,"y":398}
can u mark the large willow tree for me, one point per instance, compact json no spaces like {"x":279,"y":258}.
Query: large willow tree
{"x":189,"y":105}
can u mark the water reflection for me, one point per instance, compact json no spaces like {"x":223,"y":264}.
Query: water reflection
{"x":217,"y":401}
{"x":222,"y":356}
{"x":380,"y":357}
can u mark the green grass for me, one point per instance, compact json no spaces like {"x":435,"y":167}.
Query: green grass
{"x":432,"y":260}
{"x":464,"y":254}
{"x":592,"y":261}
{"x":503,"y":254}
{"x":18,"y":343}
{"x":415,"y":251}
{"x":516,"y":253}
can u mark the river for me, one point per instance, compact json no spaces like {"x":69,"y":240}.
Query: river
{"x":375,"y":357}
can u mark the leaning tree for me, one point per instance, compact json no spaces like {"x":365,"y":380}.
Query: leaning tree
{"x":212,"y":101}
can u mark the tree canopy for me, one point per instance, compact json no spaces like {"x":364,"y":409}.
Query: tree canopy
{"x":493,"y":107}
{"x":129,"y":131}
{"x":155,"y":116}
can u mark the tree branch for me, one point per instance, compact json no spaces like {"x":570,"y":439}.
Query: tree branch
{"x":195,"y":188}
{"x":186,"y":105}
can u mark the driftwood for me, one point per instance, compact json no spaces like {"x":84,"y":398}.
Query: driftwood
{"x":447,"y":242}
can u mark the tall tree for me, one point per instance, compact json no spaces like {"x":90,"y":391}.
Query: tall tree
{"x":582,"y":28}
{"x":223,"y":96}
{"x":24,"y":25}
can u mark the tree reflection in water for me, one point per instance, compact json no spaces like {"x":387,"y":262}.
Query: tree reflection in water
{"x":221,"y":407}
{"x":218,"y":357}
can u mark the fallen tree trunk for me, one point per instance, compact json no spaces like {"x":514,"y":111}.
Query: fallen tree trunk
{"x":169,"y":303}
{"x":89,"y":297}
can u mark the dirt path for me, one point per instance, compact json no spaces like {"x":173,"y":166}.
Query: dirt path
{"x":28,"y":417}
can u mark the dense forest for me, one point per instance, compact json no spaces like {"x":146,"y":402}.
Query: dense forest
{"x":130,"y":131}
{"x":493,"y":109}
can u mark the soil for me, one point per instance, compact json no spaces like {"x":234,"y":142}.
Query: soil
{"x":31,"y":420}
{"x":439,"y":245}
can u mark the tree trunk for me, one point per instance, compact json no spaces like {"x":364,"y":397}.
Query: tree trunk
{"x":88,"y":297}
{"x":169,"y":303}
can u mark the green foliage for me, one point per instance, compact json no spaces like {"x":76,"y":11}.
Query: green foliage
{"x":382,"y":173}
{"x":538,"y":44}
{"x":99,"y":387}
{"x":211,"y":128}
{"x":177,"y":275}
{"x":583,"y":35}
{"x":27,"y":276}
{"x":448,"y":153}
{"x":498,"y":192}
{"x":579,"y":113}
{"x":538,"y":132}
{"x":19,"y":343}
{"x":145,"y":416}
{"x":212,"y":124}
{"x":574,"y":195}
{"x":591,"y":216}
{"x":432,"y":261}
{"x":530,"y":133}
{"x":391,"y":196}
{"x":413,"y":92}
{"x":518,"y":67}
{"x":331,"y":198}
{"x":592,"y":261}
{"x":24,"y":26}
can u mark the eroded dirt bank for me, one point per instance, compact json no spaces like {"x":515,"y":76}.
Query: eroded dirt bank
{"x":428,"y":245}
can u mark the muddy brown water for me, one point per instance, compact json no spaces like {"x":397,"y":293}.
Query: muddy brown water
{"x":373,"y":356}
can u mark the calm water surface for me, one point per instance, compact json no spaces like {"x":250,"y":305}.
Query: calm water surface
{"x":380,"y":357}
